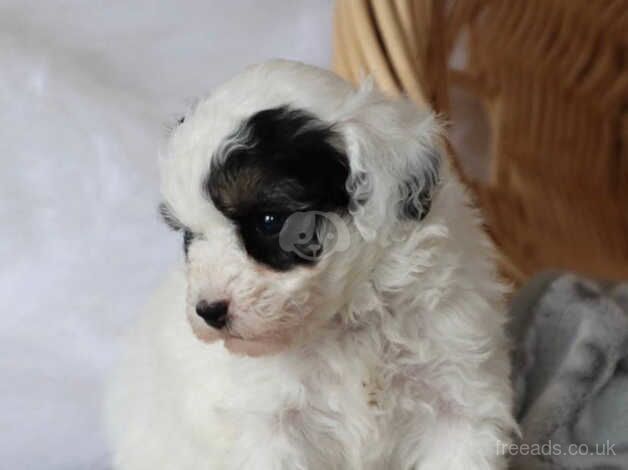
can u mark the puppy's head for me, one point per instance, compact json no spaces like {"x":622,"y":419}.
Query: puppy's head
{"x":288,"y":186}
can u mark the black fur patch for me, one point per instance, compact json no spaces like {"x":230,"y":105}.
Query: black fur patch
{"x":188,"y":237}
{"x":279,"y":161}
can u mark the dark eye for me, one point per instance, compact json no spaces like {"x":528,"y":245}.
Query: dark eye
{"x":270,"y":224}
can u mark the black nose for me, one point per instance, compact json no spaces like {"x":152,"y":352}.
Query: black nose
{"x":214,"y":314}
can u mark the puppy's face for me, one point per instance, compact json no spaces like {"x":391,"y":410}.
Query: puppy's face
{"x":267,"y":205}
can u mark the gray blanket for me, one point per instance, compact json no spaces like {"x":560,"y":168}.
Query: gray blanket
{"x":571,"y":374}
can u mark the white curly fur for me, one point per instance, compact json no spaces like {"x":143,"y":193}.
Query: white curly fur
{"x":387,"y":355}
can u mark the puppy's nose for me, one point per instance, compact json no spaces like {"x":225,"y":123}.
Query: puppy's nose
{"x":214,"y":314}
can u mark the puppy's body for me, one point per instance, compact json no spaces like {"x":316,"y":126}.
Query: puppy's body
{"x":384,"y":352}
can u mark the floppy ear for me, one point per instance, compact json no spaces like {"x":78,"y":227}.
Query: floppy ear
{"x":394,"y":155}
{"x":417,"y":188}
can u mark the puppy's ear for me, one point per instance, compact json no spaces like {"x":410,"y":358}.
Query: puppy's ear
{"x":394,"y":156}
{"x":418,"y":186}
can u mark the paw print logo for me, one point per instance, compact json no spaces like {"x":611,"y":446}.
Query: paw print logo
{"x":314,"y":234}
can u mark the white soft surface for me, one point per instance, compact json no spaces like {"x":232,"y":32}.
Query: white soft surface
{"x":86,"y":91}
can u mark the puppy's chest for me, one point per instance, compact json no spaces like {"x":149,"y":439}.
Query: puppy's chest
{"x":347,"y":413}
{"x":374,"y":389}
{"x":343,"y":407}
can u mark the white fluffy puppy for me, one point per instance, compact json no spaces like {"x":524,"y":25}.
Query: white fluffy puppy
{"x":338,"y":307}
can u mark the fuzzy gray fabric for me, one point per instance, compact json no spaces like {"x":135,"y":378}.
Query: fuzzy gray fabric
{"x":571,"y":374}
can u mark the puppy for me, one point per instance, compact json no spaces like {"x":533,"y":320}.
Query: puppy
{"x":338,"y":307}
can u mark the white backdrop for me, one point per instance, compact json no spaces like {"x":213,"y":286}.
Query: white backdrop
{"x":87,"y":89}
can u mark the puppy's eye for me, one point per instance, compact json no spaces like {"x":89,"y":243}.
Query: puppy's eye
{"x":270,"y":224}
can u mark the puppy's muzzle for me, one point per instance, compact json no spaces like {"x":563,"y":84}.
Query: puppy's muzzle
{"x":214,"y":314}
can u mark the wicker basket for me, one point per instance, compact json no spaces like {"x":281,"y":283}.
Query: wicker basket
{"x":550,"y":77}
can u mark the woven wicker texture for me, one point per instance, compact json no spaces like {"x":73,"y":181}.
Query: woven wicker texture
{"x":551,"y":78}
